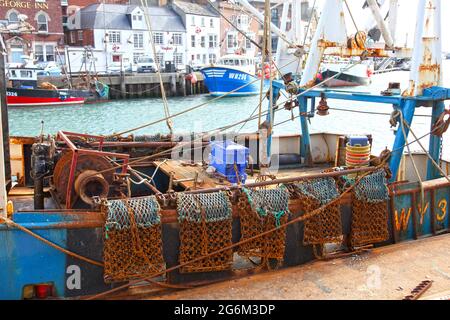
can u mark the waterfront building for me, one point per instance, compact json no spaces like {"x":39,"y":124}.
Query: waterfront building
{"x":45,"y":16}
{"x":119,"y":34}
{"x":202,"y":25}
{"x":233,"y":41}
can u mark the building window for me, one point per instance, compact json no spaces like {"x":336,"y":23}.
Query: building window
{"x":248,"y":43}
{"x":211,"y":23}
{"x":72,"y":37}
{"x":158,"y":38}
{"x":192,"y":20}
{"x":212,"y":58}
{"x":39,"y":52}
{"x":275,"y":18}
{"x":202,"y":41}
{"x":138,"y":40}
{"x":204,"y":59}
{"x":231,"y":40}
{"x":242,"y":21}
{"x":160,"y":58}
{"x":177,"y":58}
{"x":80,"y":35}
{"x":13,"y":17}
{"x":136,"y":56}
{"x":49,"y":53}
{"x":212,"y":43}
{"x":137,"y":18}
{"x":202,"y":22}
{"x":42,"y":23}
{"x":177,"y":39}
{"x":114,"y":37}
{"x":193,"y":41}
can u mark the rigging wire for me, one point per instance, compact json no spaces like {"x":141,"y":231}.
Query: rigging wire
{"x":163,"y":91}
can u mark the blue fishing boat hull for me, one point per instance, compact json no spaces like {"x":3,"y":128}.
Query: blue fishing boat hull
{"x":221,"y":81}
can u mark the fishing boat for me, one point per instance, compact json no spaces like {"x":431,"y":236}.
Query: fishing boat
{"x":23,"y":90}
{"x":233,"y":75}
{"x":110,"y":213}
{"x":359,"y":75}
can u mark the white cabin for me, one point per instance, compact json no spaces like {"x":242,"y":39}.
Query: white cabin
{"x":237,"y":62}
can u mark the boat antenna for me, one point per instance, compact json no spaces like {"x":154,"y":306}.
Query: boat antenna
{"x":158,"y":71}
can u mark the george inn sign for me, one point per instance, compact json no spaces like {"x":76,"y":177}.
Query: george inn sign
{"x":23,"y":4}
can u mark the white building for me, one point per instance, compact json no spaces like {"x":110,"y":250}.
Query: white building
{"x":202,"y":25}
{"x":119,"y":33}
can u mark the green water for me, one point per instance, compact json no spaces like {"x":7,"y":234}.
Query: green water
{"x":119,"y":115}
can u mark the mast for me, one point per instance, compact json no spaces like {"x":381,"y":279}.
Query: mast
{"x":4,"y":135}
{"x":381,"y":23}
{"x":393,"y":17}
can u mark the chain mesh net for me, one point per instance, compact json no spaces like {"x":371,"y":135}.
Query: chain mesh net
{"x":261,"y":210}
{"x":205,"y":227}
{"x":369,"y":210}
{"x":133,"y":242}
{"x":326,"y":226}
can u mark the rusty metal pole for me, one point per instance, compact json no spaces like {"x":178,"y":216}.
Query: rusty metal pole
{"x":4,"y":138}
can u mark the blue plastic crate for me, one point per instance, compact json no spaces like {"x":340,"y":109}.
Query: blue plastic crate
{"x":225,"y":155}
{"x":361,"y":141}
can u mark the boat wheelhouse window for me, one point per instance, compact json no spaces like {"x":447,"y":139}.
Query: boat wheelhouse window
{"x":42,"y":23}
{"x":26,"y":74}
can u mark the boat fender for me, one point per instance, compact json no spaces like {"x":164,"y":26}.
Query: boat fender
{"x":194,"y":78}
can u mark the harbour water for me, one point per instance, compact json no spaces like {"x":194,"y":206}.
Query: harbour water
{"x":118,"y":115}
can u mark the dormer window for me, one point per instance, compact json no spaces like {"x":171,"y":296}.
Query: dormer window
{"x":137,"y":17}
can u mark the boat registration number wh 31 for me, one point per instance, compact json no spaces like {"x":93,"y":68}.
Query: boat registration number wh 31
{"x":237,"y":76}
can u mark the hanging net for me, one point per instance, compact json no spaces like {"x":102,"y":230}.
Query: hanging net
{"x":132,"y":239}
{"x":205,"y":226}
{"x":369,"y":210}
{"x":261,"y":210}
{"x":326,"y":226}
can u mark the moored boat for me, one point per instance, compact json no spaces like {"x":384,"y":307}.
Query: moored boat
{"x":232,"y":75}
{"x":23,"y":90}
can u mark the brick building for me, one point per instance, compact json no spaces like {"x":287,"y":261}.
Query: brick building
{"x":45,"y":17}
{"x":233,"y":41}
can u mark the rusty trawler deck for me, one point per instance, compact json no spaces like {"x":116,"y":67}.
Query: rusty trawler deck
{"x":118,"y":215}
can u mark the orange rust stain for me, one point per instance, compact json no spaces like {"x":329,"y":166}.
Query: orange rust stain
{"x":430,"y":67}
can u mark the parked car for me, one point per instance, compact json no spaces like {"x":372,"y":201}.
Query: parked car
{"x":146,"y":64}
{"x":50,"y":68}
{"x":117,"y":67}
